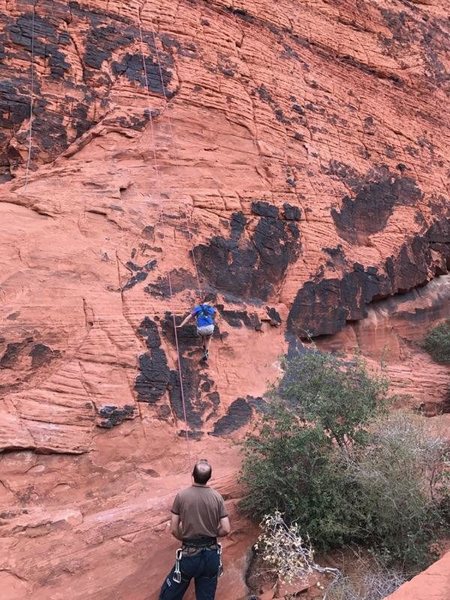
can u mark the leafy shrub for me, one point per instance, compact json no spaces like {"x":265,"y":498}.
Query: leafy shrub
{"x":336,"y":395}
{"x":327,"y":458}
{"x":437,"y":342}
{"x":292,"y":469}
{"x":397,"y":475}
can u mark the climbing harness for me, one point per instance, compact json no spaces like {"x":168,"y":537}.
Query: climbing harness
{"x":179,"y":555}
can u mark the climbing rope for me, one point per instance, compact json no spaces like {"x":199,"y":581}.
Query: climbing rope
{"x":169,"y":120}
{"x":30,"y":130}
{"x":180,"y":375}
{"x":158,"y":176}
{"x":149,"y":107}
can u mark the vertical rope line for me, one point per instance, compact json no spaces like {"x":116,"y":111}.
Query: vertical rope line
{"x":200,"y":291}
{"x":180,"y":374}
{"x":30,"y":131}
{"x":149,"y":108}
{"x":155,"y":161}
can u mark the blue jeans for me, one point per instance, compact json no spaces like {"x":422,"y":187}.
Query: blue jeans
{"x":203,"y":567}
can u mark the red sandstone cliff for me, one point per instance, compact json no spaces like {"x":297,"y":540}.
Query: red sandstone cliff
{"x":292,"y":158}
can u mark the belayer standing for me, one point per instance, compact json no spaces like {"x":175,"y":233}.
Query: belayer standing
{"x":198,"y":518}
{"x":205,"y":315}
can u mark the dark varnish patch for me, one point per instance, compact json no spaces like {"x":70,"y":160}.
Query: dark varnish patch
{"x":180,"y":279}
{"x":141,"y":273}
{"x":239,"y":318}
{"x":111,"y":416}
{"x":136,"y":122}
{"x":138,"y":278}
{"x":187,"y":50}
{"x":131,"y":67}
{"x":42,"y":355}
{"x":323,"y":306}
{"x":291,"y":213}
{"x":373,"y":204}
{"x":250,"y":265}
{"x":47,"y":42}
{"x":238,"y":414}
{"x":274,"y":316}
{"x":264,"y":209}
{"x":13,"y":316}
{"x":267,"y":98}
{"x":104,"y":50}
{"x":103,"y":40}
{"x":154,"y":376}
{"x":195,"y":377}
{"x":12,"y":353}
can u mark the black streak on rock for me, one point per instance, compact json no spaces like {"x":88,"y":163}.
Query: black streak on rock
{"x":132,"y":266}
{"x":149,"y":266}
{"x":13,"y":352}
{"x":42,"y":355}
{"x":237,"y":318}
{"x":188,"y":50}
{"x":195,"y":381}
{"x":140,"y":276}
{"x":264,"y":209}
{"x":323,"y":307}
{"x":372,"y":206}
{"x":192,"y":435}
{"x":101,"y":42}
{"x":131,"y":67}
{"x":191,"y":382}
{"x":180,"y":280}
{"x":113,"y":416}
{"x":291,"y":213}
{"x":239,"y":413}
{"x":46,"y":41}
{"x":13,"y":316}
{"x":274,"y":316}
{"x":153,"y":379}
{"x":60,"y":120}
{"x":250,"y":266}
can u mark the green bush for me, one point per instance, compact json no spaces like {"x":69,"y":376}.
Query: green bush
{"x":339,"y":396}
{"x":437,"y":342}
{"x":291,"y":468}
{"x":398,"y":475}
{"x":327,"y":458}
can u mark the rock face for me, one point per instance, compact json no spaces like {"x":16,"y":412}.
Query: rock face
{"x":432,"y":584}
{"x":287,"y":159}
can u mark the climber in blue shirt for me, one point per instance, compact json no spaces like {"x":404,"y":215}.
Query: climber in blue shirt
{"x":205,"y":315}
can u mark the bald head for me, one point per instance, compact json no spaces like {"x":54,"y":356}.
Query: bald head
{"x":202,"y":472}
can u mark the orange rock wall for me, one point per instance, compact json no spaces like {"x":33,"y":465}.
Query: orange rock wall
{"x":432,"y":584}
{"x":287,"y":158}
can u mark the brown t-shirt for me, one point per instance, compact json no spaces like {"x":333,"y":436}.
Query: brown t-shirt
{"x":200,"y":509}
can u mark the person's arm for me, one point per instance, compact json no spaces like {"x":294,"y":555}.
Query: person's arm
{"x":224,"y":521}
{"x":188,"y":318}
{"x":224,"y":527}
{"x":175,"y":526}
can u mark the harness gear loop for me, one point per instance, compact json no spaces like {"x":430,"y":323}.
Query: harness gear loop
{"x":177,"y":572}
